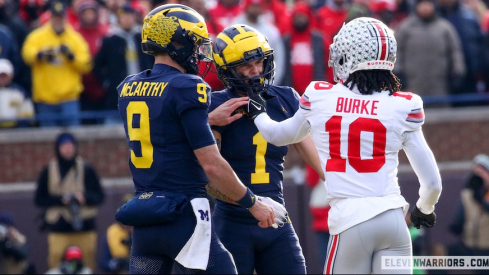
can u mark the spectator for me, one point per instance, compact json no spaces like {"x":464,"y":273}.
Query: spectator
{"x":358,"y":8}
{"x":331,"y":17}
{"x":93,"y":32}
{"x":214,"y":28}
{"x":427,"y":41}
{"x":58,"y":56}
{"x":119,"y":56}
{"x":468,"y":29}
{"x":226,"y":11}
{"x":30,"y":11}
{"x":9,"y":48}
{"x":304,"y":51}
{"x":114,"y":256}
{"x":13,"y":104}
{"x":13,"y":248}
{"x":252,"y":16}
{"x":319,"y":208}
{"x":10,"y":18}
{"x":70,"y":10}
{"x":471,"y":220}
{"x":69,"y":188}
{"x":278,"y":14}
{"x":386,"y":11}
{"x":71,"y":263}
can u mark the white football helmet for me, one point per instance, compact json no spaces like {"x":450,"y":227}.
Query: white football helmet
{"x":363,"y":44}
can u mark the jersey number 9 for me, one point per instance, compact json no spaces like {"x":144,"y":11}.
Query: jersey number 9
{"x":138,"y":130}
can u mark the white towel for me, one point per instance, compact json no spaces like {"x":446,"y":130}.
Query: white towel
{"x":195,"y":253}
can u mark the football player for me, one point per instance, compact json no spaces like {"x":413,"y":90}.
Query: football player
{"x":173,"y":154}
{"x":358,"y":126}
{"x":245,"y":64}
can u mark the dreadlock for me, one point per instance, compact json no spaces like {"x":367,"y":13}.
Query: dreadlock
{"x":369,"y":81}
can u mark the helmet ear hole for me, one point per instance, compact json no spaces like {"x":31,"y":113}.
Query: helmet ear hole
{"x":342,"y":60}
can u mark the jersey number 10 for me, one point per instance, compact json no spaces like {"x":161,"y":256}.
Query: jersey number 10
{"x":338,"y":164}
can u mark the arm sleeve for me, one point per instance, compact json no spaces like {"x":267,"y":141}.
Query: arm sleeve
{"x":286,"y":132}
{"x":425,"y":167}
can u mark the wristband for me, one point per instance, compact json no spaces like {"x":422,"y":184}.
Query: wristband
{"x":248,"y":200}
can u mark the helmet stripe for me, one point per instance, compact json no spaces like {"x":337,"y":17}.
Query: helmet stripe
{"x":183,"y":15}
{"x":382,"y":39}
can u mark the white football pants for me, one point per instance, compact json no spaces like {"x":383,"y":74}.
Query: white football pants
{"x":358,"y":250}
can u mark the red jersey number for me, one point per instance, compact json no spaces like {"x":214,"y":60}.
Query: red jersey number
{"x":323,"y":85}
{"x":337,"y":164}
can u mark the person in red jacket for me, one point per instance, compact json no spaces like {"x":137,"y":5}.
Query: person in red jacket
{"x":214,"y":28}
{"x":226,"y":11}
{"x":304,"y":50}
{"x":331,"y":17}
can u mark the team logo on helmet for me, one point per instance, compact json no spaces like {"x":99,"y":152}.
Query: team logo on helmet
{"x":180,"y":32}
{"x":161,"y":29}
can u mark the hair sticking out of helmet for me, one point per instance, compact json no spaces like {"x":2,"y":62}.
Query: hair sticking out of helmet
{"x":180,"y":32}
{"x":362,"y":44}
{"x":238,"y":45}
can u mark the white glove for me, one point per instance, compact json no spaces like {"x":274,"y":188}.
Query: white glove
{"x":281,"y":215}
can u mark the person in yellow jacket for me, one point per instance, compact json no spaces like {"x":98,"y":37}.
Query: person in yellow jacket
{"x":58,"y":56}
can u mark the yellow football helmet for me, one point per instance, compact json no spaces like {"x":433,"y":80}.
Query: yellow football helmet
{"x":179,"y":31}
{"x":237,"y":45}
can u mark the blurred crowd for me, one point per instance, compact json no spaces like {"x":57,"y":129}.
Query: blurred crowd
{"x":61,"y":60}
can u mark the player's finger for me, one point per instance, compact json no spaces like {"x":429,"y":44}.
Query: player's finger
{"x":234,"y":101}
{"x":238,"y":103}
{"x":235,"y":117}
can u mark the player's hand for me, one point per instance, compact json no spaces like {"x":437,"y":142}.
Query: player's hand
{"x":281,"y":215}
{"x":263,"y":213}
{"x":256,"y":104}
{"x":223,"y":115}
{"x":419,"y":219}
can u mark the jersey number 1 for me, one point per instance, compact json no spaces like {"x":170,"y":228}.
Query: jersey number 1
{"x":338,"y":164}
{"x":260,"y":176}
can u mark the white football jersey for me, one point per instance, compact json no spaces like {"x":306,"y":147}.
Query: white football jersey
{"x":358,"y":138}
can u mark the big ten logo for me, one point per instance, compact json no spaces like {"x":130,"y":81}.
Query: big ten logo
{"x":204,"y":215}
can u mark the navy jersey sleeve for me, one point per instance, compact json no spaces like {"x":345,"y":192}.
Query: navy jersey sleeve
{"x":191,"y":100}
{"x":289,"y":97}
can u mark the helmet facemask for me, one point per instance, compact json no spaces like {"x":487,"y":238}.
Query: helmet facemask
{"x":238,"y":45}
{"x":189,"y":51}
{"x":258,"y":83}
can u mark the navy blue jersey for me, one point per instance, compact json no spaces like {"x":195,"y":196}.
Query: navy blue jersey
{"x":165,"y":119}
{"x":258,"y":164}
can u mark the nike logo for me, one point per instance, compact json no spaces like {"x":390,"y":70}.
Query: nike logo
{"x":258,"y":107}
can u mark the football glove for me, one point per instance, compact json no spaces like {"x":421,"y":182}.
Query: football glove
{"x":281,"y":215}
{"x":256,"y":105}
{"x":419,"y":219}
